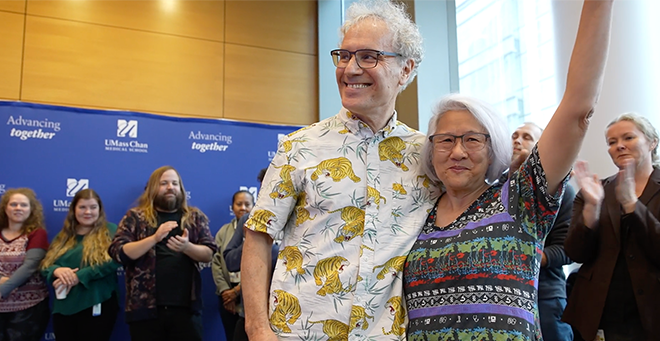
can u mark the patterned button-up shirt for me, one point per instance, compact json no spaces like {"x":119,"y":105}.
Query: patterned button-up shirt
{"x":348,"y":204}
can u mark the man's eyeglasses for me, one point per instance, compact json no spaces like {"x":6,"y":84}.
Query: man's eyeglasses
{"x":472,"y":142}
{"x":365,"y":58}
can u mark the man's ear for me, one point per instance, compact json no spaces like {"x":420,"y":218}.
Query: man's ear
{"x":406,"y":71}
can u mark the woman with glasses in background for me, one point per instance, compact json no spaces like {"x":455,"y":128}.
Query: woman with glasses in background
{"x":82,"y":273}
{"x":24,"y":312}
{"x":472,"y":273}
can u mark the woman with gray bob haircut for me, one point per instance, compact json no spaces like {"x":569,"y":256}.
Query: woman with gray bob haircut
{"x":472,"y":273}
{"x":500,"y":146}
{"x":406,"y":37}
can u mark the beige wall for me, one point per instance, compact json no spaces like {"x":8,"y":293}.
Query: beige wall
{"x":237,"y":59}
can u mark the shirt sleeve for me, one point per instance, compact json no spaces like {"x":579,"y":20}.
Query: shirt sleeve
{"x":554,"y":242}
{"x":270,"y":215}
{"x":234,"y":250}
{"x":38,"y":239}
{"x":534,"y":206}
{"x":30,"y":265}
{"x":203,"y":235}
{"x":89,"y":274}
{"x":125,"y":234}
{"x":218,"y":264}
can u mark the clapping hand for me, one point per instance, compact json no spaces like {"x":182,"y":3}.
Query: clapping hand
{"x":164,"y":229}
{"x":625,"y":186}
{"x":592,"y":191}
{"x":179,"y":243}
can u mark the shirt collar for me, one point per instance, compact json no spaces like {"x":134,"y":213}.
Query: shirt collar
{"x":356,"y":126}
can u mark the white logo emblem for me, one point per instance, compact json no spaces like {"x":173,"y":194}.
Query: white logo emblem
{"x":2,"y":188}
{"x":129,"y":127}
{"x":73,"y":186}
{"x":252,"y":190}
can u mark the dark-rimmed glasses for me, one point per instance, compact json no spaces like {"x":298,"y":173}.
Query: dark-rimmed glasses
{"x":365,"y":58}
{"x":471,"y":142}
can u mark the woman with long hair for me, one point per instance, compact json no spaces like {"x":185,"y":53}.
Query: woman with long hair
{"x":82,"y":273}
{"x":24,"y":312}
{"x":615,"y":234}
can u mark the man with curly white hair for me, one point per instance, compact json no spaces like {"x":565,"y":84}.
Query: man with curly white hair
{"x":347,"y":194}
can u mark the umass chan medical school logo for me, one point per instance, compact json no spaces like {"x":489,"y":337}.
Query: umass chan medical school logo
{"x":73,"y":186}
{"x":126,"y":141}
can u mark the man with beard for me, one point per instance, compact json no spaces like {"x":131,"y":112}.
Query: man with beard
{"x":160,"y":242}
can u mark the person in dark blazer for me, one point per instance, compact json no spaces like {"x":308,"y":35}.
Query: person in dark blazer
{"x":615,"y":233}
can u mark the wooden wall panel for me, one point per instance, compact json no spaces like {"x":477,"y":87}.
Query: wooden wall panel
{"x":75,"y":63}
{"x":11,"y":44}
{"x":263,"y":85}
{"x":281,"y":25}
{"x":17,"y":6}
{"x":199,"y":19}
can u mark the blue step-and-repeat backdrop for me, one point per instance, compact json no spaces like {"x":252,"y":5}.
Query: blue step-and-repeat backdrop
{"x":58,"y":151}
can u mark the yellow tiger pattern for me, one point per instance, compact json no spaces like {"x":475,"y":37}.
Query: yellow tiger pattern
{"x":288,"y":144}
{"x":353,"y":218}
{"x":394,"y":265}
{"x":362,"y":247}
{"x":399,"y":323}
{"x":292,"y":258}
{"x":284,"y":188}
{"x":286,"y":310}
{"x":335,"y":330}
{"x":302,"y":214}
{"x":374,"y":194}
{"x":399,"y":189}
{"x":337,"y":169}
{"x":390,"y":149}
{"x":359,"y":318}
{"x":285,"y":173}
{"x":261,"y":220}
{"x":328,"y":269}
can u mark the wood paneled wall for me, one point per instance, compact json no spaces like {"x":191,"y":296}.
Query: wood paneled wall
{"x":239,"y":59}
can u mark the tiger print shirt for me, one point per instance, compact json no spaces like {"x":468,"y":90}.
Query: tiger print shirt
{"x":349,"y":204}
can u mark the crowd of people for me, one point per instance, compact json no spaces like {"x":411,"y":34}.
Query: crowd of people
{"x":367,"y":229}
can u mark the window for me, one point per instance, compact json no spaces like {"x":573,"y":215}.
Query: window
{"x":506,"y":57}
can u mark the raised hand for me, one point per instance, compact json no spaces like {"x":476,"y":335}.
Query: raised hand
{"x":590,"y":186}
{"x":625,"y":186}
{"x":592,"y":192}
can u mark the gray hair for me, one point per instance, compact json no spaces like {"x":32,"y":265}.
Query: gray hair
{"x":406,"y":37}
{"x":500,"y":140}
{"x":645,"y":126}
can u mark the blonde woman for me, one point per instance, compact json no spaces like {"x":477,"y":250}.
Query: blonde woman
{"x":82,"y":273}
{"x":615,"y":234}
